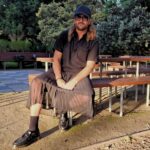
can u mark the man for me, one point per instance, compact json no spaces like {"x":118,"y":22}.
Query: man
{"x":67,"y":83}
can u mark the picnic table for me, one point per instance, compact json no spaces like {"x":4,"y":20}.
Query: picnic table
{"x":46,"y":60}
{"x":118,"y":82}
{"x":126,"y":59}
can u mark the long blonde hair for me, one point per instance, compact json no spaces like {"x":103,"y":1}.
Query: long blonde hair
{"x":91,"y":32}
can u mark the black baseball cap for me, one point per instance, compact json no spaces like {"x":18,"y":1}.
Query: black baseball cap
{"x":84,"y":10}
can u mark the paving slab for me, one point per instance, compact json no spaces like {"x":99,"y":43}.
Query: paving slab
{"x":16,"y":80}
{"x":14,"y":120}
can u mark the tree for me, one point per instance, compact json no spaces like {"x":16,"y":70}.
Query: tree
{"x":57,"y":16}
{"x":17,"y":18}
{"x":126,"y":29}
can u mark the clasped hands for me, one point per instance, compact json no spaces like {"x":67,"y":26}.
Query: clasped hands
{"x":68,"y":86}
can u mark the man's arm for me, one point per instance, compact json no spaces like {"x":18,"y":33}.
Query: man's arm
{"x":57,"y":68}
{"x":82,"y":74}
{"x":57,"y":64}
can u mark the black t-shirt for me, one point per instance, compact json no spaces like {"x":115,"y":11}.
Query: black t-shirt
{"x":76,"y":53}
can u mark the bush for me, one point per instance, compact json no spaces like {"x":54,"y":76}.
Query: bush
{"x":37,"y":46}
{"x":20,"y":45}
{"x":4,"y":45}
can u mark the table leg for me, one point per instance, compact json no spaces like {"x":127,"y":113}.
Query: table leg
{"x":124,"y":64}
{"x":137,"y":75}
{"x":146,"y":64}
{"x":136,"y":93}
{"x":147,"y":95}
{"x":121,"y":102}
{"x":101,"y":69}
{"x":137,"y":69}
{"x":130,"y":63}
{"x":106,"y":66}
{"x":110,"y":99}
{"x":46,"y":66}
{"x":125,"y":67}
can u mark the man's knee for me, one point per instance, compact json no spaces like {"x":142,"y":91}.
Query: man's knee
{"x":36,"y":82}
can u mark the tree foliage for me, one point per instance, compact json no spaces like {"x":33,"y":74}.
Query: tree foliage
{"x":57,"y":16}
{"x":17,"y":18}
{"x":126,"y":29}
{"x":123,"y":26}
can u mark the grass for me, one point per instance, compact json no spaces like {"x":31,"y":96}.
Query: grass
{"x":10,"y":64}
{"x":15,"y":65}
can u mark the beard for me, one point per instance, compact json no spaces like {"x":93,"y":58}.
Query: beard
{"x":81,"y":27}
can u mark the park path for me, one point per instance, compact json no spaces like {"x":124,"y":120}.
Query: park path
{"x":15,"y":80}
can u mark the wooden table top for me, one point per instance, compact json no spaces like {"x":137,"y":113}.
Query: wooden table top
{"x":140,"y":58}
{"x":45,"y":59}
{"x":113,"y":59}
{"x":127,"y":58}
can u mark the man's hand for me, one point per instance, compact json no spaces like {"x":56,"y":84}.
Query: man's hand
{"x":60,"y":83}
{"x":70,"y":84}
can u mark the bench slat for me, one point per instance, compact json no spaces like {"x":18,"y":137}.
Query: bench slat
{"x":121,"y":72}
{"x":109,"y":82}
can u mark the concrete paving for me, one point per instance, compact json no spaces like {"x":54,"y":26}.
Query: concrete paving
{"x":15,"y":80}
{"x":105,"y":126}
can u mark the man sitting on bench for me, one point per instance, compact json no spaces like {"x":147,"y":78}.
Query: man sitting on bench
{"x":68,"y":84}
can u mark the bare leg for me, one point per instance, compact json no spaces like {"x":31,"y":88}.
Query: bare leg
{"x":32,"y":134}
{"x":35,"y":109}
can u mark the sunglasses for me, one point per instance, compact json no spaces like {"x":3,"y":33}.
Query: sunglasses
{"x":81,"y":17}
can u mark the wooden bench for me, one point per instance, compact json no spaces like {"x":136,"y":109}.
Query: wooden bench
{"x":122,"y":82}
{"x":21,"y":58}
{"x":115,"y":82}
{"x":120,"y":72}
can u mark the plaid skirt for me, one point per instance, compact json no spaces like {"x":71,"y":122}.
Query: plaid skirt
{"x":79,"y":100}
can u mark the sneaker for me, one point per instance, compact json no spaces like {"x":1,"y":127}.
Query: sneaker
{"x":27,"y":138}
{"x":63,"y":122}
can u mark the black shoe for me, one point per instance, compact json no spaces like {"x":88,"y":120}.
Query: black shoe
{"x":64,"y":122}
{"x":27,"y":138}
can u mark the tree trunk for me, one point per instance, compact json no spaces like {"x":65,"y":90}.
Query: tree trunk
{"x":14,"y":37}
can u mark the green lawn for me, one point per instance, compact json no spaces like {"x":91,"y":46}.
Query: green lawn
{"x":14,"y":65}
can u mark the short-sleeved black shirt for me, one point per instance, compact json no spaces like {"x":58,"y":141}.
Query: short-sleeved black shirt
{"x":76,"y":52}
